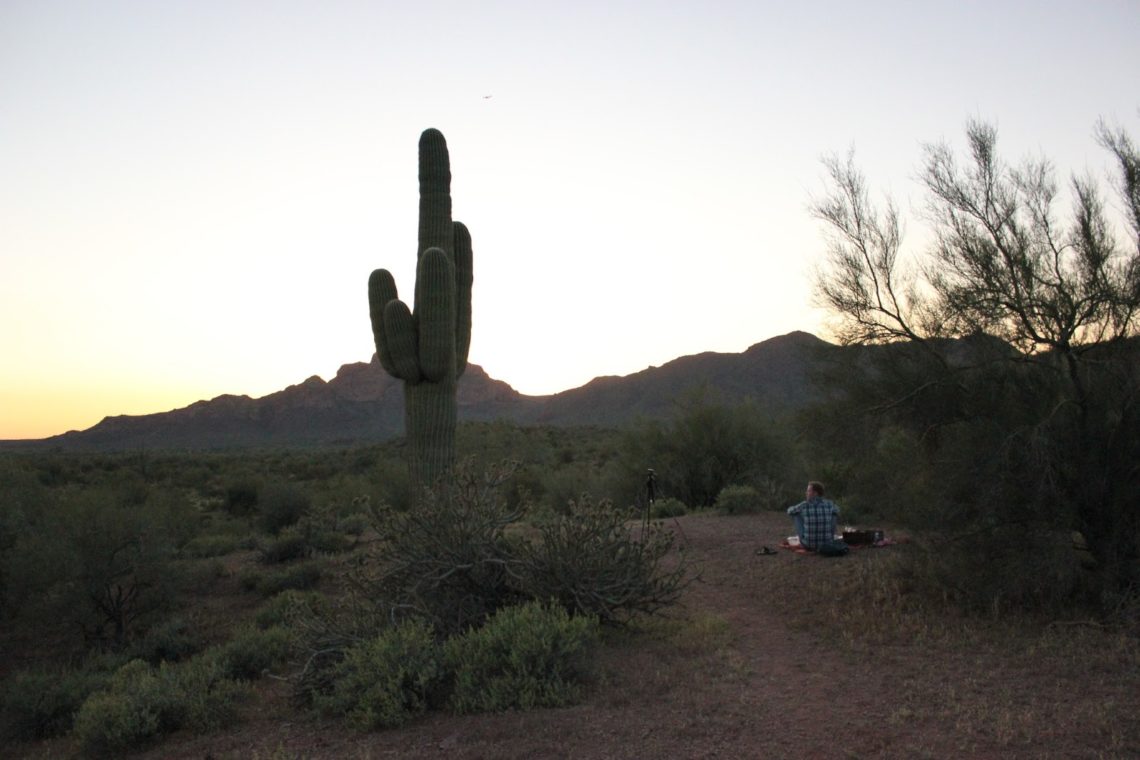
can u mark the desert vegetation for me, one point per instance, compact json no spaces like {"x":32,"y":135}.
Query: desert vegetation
{"x":996,"y":406}
{"x":143,"y":594}
{"x":149,"y":596}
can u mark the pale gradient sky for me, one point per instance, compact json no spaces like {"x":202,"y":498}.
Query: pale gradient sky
{"x":193,"y":194}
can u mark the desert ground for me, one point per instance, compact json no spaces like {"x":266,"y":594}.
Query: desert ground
{"x":780,"y":655}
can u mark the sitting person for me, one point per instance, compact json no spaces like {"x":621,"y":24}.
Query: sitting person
{"x":816,"y":518}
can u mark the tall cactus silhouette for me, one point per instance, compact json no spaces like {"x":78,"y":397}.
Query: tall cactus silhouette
{"x":427,"y":346}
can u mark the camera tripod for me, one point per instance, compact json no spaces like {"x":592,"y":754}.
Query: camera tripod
{"x":651,"y":494}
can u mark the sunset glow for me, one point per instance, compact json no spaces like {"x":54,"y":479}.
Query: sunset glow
{"x":192,"y":195}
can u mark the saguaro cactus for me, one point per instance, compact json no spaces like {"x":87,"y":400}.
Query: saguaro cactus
{"x":427,"y":346}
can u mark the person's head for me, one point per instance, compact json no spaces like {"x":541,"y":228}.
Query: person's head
{"x":814,"y":489}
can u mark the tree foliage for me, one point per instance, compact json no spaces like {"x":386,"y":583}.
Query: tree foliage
{"x":97,"y":561}
{"x":1019,"y":392}
{"x":707,"y":446}
{"x":1004,"y":262}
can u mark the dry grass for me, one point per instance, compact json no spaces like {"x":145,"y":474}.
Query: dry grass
{"x":1014,"y":683}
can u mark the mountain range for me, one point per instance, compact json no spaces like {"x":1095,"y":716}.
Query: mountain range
{"x":362,"y":403}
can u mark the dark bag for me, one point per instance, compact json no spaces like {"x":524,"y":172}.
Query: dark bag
{"x":832,"y":549}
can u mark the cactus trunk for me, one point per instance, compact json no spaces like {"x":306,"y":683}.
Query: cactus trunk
{"x":430,"y":414}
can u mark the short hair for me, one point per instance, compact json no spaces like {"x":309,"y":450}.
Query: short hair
{"x":816,"y":486}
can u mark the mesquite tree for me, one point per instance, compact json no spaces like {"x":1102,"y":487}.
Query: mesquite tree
{"x":1062,"y":293}
{"x":426,"y":346}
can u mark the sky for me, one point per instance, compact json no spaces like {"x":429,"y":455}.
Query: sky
{"x":193,"y":194}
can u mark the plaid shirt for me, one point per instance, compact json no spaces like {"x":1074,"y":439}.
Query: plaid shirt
{"x":819,"y":517}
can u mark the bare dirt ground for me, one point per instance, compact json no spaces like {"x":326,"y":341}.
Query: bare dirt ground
{"x":774,"y":656}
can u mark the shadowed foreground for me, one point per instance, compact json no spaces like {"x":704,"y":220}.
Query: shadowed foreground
{"x":771,"y":656}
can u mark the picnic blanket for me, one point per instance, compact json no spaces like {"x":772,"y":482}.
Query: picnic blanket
{"x":792,"y":544}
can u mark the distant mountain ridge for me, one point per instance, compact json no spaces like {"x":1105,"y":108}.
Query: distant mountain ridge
{"x":362,"y":403}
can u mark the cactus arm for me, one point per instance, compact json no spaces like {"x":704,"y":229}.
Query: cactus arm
{"x":463,"y":280}
{"x":435,"y":315}
{"x":400,"y":337}
{"x":381,"y":290}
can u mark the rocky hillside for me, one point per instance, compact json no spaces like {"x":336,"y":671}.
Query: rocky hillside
{"x":362,"y":403}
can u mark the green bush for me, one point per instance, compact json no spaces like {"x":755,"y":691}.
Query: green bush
{"x":281,"y":505}
{"x":329,"y":542}
{"x":111,"y":723}
{"x":98,"y":565}
{"x":592,"y":563}
{"x":387,"y":680}
{"x":738,"y":500}
{"x":240,"y":497}
{"x":284,"y":606}
{"x":253,"y":651}
{"x":142,"y":702}
{"x":667,"y":507}
{"x":170,"y":641}
{"x":302,"y":576}
{"x":201,"y":547}
{"x":448,"y":558}
{"x":37,"y":704}
{"x":288,"y":546}
{"x":354,"y":524}
{"x":523,"y":657}
{"x":134,"y":709}
{"x":206,"y":698}
{"x":707,"y":446}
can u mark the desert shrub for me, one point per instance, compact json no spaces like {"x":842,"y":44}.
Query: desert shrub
{"x":591,"y":563}
{"x":386,"y":680}
{"x":170,"y":641}
{"x":705,"y":447}
{"x":667,"y":507}
{"x":283,"y":607}
{"x":287,"y":546}
{"x":451,"y":561}
{"x":110,"y":723}
{"x":24,"y":498}
{"x":211,"y":546}
{"x":738,"y":500}
{"x":447,"y":559}
{"x":392,"y":485}
{"x":315,"y":533}
{"x":281,"y":505}
{"x":199,"y":575}
{"x":249,"y":578}
{"x":777,"y":494}
{"x":354,"y":524}
{"x":134,"y":708}
{"x":252,"y":651}
{"x":301,"y":576}
{"x":98,"y":564}
{"x":206,"y":698}
{"x":328,"y":542}
{"x":142,"y":702}
{"x":1021,"y":570}
{"x":241,"y":497}
{"x":563,"y":485}
{"x":523,"y":657}
{"x":37,"y":704}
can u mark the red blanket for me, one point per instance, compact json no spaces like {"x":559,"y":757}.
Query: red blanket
{"x":792,"y":544}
